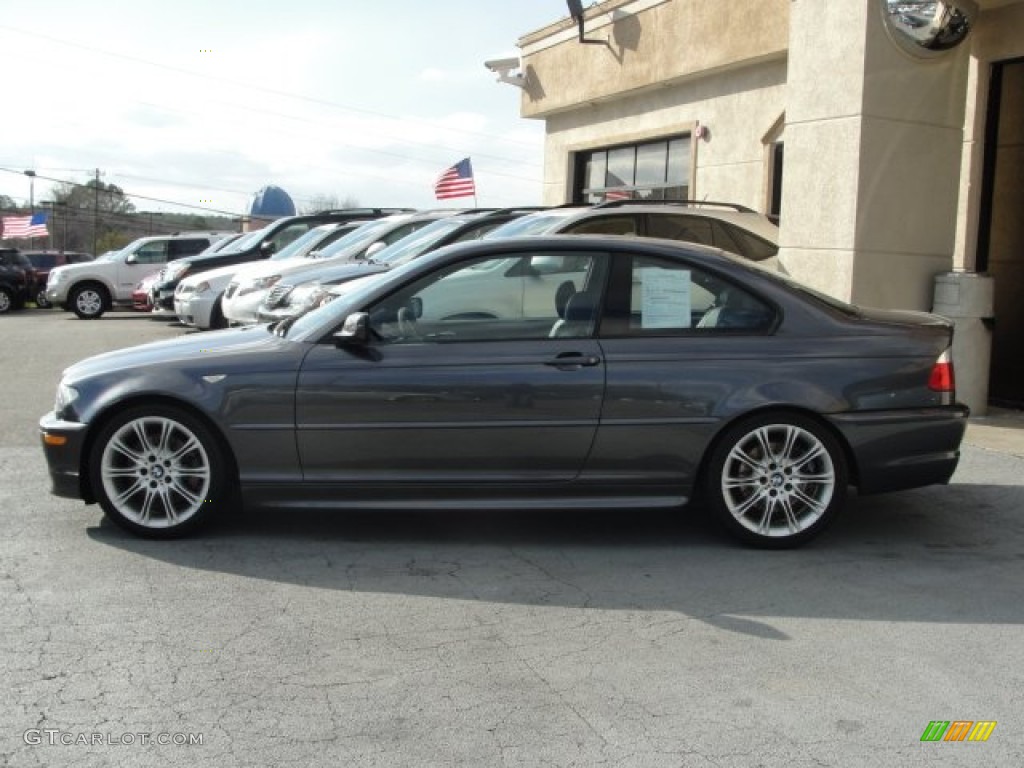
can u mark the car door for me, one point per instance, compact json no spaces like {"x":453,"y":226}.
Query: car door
{"x":147,"y":259}
{"x":453,"y":400}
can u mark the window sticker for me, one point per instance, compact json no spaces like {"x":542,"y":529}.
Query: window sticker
{"x":666,"y":298}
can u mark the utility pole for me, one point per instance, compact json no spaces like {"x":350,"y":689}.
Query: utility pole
{"x":95,"y":212}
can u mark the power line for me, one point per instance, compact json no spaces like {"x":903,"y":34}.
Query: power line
{"x":237,"y":83}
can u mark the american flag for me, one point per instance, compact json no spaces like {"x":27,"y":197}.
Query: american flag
{"x":456,"y":181}
{"x":25,"y":226}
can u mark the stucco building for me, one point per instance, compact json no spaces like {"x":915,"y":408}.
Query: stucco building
{"x":891,"y":152}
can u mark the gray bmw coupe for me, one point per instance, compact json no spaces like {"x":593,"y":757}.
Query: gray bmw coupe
{"x":556,"y":372}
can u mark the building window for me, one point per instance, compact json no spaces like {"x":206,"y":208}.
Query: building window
{"x":654,"y":170}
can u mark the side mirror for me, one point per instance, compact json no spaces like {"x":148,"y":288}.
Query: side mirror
{"x":131,"y":258}
{"x":267,"y":247}
{"x":355,"y":331}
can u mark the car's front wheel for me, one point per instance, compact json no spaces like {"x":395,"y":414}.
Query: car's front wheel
{"x":776,"y":480}
{"x":41,"y":301}
{"x":89,"y":301}
{"x":6,"y":300}
{"x":158,"y":471}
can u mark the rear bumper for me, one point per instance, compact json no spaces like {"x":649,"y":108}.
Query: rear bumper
{"x":64,"y":461}
{"x":895,"y":450}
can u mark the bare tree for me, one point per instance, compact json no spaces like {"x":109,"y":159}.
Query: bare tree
{"x":327,"y":202}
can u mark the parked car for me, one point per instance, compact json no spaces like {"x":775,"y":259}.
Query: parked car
{"x":272,"y":239}
{"x":43,"y":262}
{"x":16,"y":279}
{"x":653,"y":372}
{"x":141,"y":295}
{"x":151,"y":281}
{"x":297,"y":293}
{"x":197,"y":299}
{"x":731,"y":227}
{"x":250,"y":285}
{"x":90,"y":289}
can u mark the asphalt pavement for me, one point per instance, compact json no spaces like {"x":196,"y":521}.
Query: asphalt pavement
{"x":500,"y":638}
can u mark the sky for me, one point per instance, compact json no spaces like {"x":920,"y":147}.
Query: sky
{"x":203,"y":103}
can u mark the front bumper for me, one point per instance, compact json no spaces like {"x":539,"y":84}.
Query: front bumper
{"x":242,"y":309}
{"x":896,"y":450}
{"x":63,"y":442}
{"x":196,"y":310}
{"x":56,"y":295}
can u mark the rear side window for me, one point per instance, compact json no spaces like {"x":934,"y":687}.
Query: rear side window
{"x":690,"y":229}
{"x":608,"y":225}
{"x":43,"y":260}
{"x":754,"y":248}
{"x":650,"y":296}
{"x":187,"y":247}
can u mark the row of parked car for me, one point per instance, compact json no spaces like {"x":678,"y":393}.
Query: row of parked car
{"x":23,"y":275}
{"x":212,"y":280}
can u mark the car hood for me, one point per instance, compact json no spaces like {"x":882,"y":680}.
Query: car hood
{"x":224,"y":273}
{"x":219,"y":348}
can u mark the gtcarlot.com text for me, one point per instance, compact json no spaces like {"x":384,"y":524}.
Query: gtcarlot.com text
{"x":54,"y":737}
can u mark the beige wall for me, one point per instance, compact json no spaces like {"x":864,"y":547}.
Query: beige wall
{"x":737,"y":108}
{"x":873,"y":143}
{"x":647,"y":44}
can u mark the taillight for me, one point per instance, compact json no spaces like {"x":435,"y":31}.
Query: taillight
{"x":941,"y":378}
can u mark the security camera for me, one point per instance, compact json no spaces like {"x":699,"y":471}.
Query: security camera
{"x":504,"y":70}
{"x":502,"y":66}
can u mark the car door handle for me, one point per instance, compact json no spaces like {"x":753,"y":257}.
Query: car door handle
{"x":573,"y":360}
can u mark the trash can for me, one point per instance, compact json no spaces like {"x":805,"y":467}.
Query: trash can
{"x":967,"y":298}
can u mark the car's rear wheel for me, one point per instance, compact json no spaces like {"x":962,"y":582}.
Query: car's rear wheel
{"x":158,"y":471}
{"x":41,"y":301}
{"x":6,"y":300}
{"x":89,"y":301}
{"x":776,"y":480}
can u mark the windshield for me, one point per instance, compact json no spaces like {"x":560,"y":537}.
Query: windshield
{"x":534,"y":224}
{"x":419,"y":242}
{"x":304,"y":244}
{"x":359,"y":238}
{"x":245,"y":241}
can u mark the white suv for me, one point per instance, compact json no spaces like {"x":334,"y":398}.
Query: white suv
{"x":90,"y":289}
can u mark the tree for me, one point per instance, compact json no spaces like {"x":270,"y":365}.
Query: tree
{"x":322,"y":202}
{"x":92,"y":214}
{"x":7,"y":204}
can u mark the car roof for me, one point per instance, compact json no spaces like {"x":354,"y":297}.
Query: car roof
{"x":745,"y":218}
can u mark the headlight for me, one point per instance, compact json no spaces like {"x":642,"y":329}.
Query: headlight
{"x":300,"y":295}
{"x":55,"y":277}
{"x":259,"y":284}
{"x":203,"y":287}
{"x":66,"y":395}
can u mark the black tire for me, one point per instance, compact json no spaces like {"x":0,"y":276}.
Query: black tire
{"x":217,"y":319}
{"x":41,"y":301}
{"x":159,"y":472}
{"x":6,"y":300}
{"x":776,"y":480}
{"x":89,"y":301}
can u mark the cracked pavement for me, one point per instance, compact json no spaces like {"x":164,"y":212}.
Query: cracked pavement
{"x":614,"y":639}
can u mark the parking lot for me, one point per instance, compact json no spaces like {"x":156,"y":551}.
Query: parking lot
{"x":499,"y":638}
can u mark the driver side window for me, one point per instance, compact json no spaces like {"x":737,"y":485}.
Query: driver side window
{"x":493,"y":299}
